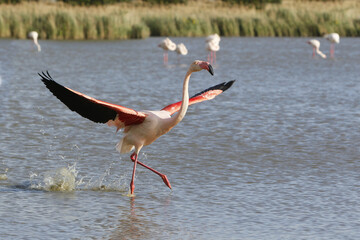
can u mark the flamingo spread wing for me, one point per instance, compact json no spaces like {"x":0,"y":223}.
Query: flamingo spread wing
{"x":91,"y":108}
{"x":207,"y":94}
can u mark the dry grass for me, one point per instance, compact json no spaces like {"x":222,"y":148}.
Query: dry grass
{"x":122,"y":21}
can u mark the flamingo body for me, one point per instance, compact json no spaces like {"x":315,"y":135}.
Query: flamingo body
{"x":167,"y":45}
{"x":215,"y":38}
{"x":333,"y":38}
{"x":141,"y":128}
{"x":34,"y":36}
{"x":136,"y":136}
{"x":212,"y":47}
{"x":181,"y":49}
{"x":316,"y":47}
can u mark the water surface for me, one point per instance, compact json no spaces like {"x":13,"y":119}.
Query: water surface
{"x":274,"y":157}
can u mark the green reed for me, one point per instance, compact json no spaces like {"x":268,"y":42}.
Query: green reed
{"x":59,"y":21}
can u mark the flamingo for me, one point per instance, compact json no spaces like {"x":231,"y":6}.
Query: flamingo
{"x":213,"y":38}
{"x":333,"y":38}
{"x":181,"y":50}
{"x":167,"y":45}
{"x":141,"y":128}
{"x":212,"y":47}
{"x":34,"y":36}
{"x":316,"y":47}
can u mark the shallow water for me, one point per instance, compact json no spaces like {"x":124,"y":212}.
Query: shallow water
{"x":274,"y":157}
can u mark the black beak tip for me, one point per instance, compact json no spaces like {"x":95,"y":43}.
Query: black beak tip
{"x":211,"y":70}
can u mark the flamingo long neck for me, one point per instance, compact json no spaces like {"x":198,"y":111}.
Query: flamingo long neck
{"x":37,"y":44}
{"x":320,"y":53}
{"x":185,"y":101}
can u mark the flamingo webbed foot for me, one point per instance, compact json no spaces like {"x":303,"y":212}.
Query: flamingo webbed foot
{"x":166,"y":181}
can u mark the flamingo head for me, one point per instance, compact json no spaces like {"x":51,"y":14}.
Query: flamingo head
{"x":198,"y":65}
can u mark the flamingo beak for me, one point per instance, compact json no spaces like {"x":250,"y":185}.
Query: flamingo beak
{"x":211,"y":70}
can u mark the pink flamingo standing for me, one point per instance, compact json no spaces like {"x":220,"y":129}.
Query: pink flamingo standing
{"x":212,"y":47}
{"x":167,"y":45}
{"x":140,"y":128}
{"x":316,"y":47}
{"x":333,"y":38}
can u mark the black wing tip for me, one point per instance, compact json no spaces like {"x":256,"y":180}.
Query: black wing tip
{"x":45,"y":76}
{"x":211,"y":70}
{"x":221,"y":86}
{"x":227,"y":85}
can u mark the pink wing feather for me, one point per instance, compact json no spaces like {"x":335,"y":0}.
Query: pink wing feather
{"x":207,"y":94}
{"x":91,"y":108}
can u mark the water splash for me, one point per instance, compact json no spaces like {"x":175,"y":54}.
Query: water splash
{"x":3,"y":176}
{"x":3,"y":173}
{"x":106,"y":183}
{"x":67,"y":179}
{"x":61,"y":179}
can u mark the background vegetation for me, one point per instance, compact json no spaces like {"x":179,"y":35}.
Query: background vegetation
{"x":195,"y":18}
{"x":158,"y":2}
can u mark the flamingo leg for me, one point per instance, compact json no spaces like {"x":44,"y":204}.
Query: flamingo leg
{"x":332,"y":50}
{"x":214,"y":58}
{"x":134,"y":156}
{"x":165,"y":57}
{"x":132,"y":185}
{"x":313,"y":52}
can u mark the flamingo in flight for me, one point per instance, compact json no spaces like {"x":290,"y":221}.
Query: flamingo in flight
{"x":167,"y":45}
{"x":141,"y":128}
{"x":34,"y":36}
{"x":316,"y":47}
{"x":333,"y":38}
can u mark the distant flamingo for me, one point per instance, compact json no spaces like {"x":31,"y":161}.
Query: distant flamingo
{"x":140,"y":128}
{"x":34,"y":36}
{"x":316,"y":47}
{"x":215,"y":38}
{"x":181,"y":50}
{"x":333,"y":38}
{"x":167,"y":45}
{"x":212,"y":47}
